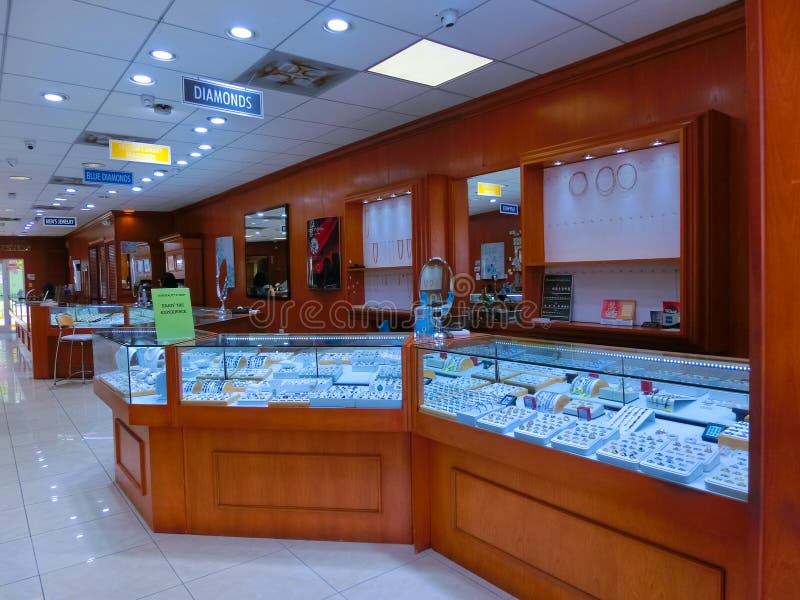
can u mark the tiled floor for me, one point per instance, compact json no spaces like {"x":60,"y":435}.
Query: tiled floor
{"x":66,"y":531}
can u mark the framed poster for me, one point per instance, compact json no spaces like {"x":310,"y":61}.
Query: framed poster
{"x":225,"y":262}
{"x":493,"y":260}
{"x":557,"y":297}
{"x":324,"y":262}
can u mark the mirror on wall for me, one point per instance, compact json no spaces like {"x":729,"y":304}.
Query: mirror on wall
{"x":266,"y":253}
{"x":135,"y":267}
{"x":494,"y":232}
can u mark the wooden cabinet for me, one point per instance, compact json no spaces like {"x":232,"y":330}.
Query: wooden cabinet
{"x":183,"y":258}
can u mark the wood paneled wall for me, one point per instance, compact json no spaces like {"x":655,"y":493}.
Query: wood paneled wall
{"x":47,"y":259}
{"x":682,"y":71}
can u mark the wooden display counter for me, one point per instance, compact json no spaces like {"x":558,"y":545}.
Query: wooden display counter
{"x":308,"y":473}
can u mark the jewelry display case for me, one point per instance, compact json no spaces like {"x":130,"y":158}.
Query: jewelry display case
{"x":678,"y":417}
{"x":293,"y":371}
{"x":90,"y":315}
{"x":132,"y":363}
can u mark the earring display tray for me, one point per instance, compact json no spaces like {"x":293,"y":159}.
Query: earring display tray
{"x":504,"y":420}
{"x":736,"y":436}
{"x":584,"y":438}
{"x":731,"y":477}
{"x":630,"y":450}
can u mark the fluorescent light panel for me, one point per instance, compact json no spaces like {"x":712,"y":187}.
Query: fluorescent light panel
{"x":429,"y":63}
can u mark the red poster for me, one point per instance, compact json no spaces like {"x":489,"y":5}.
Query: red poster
{"x":324,"y":270}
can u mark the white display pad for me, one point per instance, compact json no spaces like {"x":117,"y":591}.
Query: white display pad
{"x":389,"y":289}
{"x":647,"y":283}
{"x":387,"y":232}
{"x":620,"y":207}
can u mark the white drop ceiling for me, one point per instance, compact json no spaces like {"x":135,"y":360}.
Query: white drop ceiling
{"x":88,"y":49}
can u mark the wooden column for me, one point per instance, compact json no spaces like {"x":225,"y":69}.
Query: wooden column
{"x":774,"y":193}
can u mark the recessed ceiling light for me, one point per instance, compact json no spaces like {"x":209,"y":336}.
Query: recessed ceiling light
{"x":240,"y":33}
{"x":204,"y":147}
{"x":365,"y":202}
{"x":200,"y":129}
{"x":146,"y":179}
{"x":19,"y":178}
{"x":217,"y":120}
{"x":84,"y":209}
{"x":621,"y":150}
{"x":181,"y":162}
{"x":93,"y":165}
{"x":259,"y":214}
{"x":283,"y":215}
{"x":112,"y":191}
{"x":56,"y":203}
{"x":136,"y":188}
{"x":70,"y":190}
{"x":195,"y":154}
{"x":493,"y":200}
{"x":587,"y":157}
{"x":142,"y":79}
{"x":159,"y":173}
{"x":162,"y":55}
{"x":60,"y":199}
{"x":558,"y":163}
{"x":54,"y":97}
{"x":336,"y":25}
{"x":658,"y":143}
{"x":90,"y":206}
{"x":429,"y":63}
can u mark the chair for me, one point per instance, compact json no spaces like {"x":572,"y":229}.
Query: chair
{"x":65,"y":323}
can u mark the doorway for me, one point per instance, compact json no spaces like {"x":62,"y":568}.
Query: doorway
{"x":12,"y":285}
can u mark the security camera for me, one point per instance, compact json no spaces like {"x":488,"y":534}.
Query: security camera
{"x":30,"y":144}
{"x":448,"y":16}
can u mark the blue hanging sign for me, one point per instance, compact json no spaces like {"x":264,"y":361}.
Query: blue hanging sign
{"x":60,"y":222}
{"x":107,"y":177}
{"x":509,"y":209}
{"x":223,"y":97}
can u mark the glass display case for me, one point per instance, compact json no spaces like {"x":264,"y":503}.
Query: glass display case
{"x":90,"y":315}
{"x":132,"y":363}
{"x":679,"y":417}
{"x":280,"y":370}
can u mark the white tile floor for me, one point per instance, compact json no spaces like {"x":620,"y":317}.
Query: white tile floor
{"x":67,"y":532}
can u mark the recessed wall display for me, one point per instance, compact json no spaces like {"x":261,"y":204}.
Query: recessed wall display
{"x":614,"y":208}
{"x":324,"y":254}
{"x":266,"y":251}
{"x":387,"y":232}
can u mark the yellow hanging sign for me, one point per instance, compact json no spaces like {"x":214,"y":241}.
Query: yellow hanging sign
{"x":138,"y":152}
{"x":489,"y":189}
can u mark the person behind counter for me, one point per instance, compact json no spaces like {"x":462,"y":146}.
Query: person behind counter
{"x":168,"y":280}
{"x":261,"y":287}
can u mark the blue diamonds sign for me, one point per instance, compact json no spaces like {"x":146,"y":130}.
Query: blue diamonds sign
{"x":224,"y":97}
{"x":107,"y":177}
{"x":509,"y":209}
{"x":59,"y":222}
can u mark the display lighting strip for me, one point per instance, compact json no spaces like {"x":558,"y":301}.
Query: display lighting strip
{"x":232,"y":340}
{"x":671,"y":361}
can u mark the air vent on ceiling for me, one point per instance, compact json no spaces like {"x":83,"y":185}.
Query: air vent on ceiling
{"x":294,"y":74}
{"x":98,"y":138}
{"x":9,"y":219}
{"x":71,"y":182}
{"x":50,"y":207}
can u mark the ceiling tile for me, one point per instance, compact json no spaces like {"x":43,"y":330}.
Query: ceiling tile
{"x":343,"y":135}
{"x":501,"y":28}
{"x":312,"y":149}
{"x":233,"y":122}
{"x":79,"y":26}
{"x":365,"y":44}
{"x":283,"y":160}
{"x":43,"y":115}
{"x":239,"y":155}
{"x":58,"y":64}
{"x":167,"y":84}
{"x":127,"y":126}
{"x":331,"y":113}
{"x":564,"y":49}
{"x":3,"y":13}
{"x":293,"y":129}
{"x":130,"y":105}
{"x":586,"y":10}
{"x":277,"y":103}
{"x":380,"y":121}
{"x":29,"y":89}
{"x":14,"y":146}
{"x":201,"y":54}
{"x":152,"y":9}
{"x":376,"y":91}
{"x":38,"y":132}
{"x":272,"y":22}
{"x":416,"y":16}
{"x":429,"y":102}
{"x":490,"y":78}
{"x":646,"y":16}
{"x":216,"y":137}
{"x":263,"y":143}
